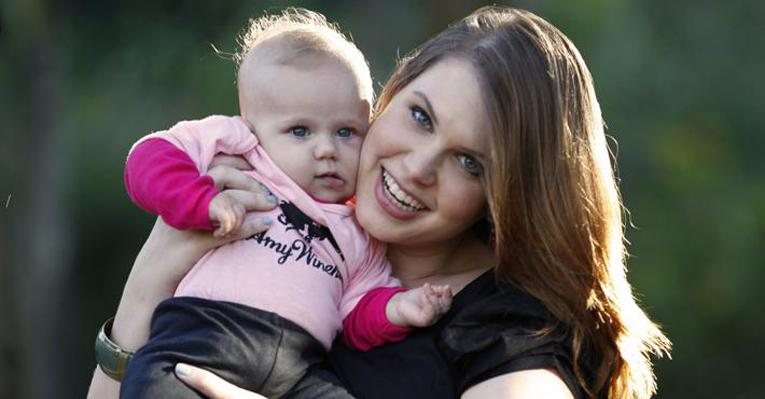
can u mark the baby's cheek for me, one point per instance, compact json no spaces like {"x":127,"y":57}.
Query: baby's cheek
{"x":352,"y":168}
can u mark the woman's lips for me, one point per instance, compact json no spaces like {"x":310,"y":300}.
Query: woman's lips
{"x":398,"y":195}
{"x":388,"y":203}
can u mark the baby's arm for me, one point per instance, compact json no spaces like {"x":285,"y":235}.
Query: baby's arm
{"x":374,"y":316}
{"x":419,"y":307}
{"x":387,"y":314}
{"x":164,"y":174}
{"x":163,"y":180}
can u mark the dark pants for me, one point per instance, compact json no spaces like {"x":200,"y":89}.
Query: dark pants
{"x":251,"y":348}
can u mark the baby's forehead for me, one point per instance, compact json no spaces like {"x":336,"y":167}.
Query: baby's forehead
{"x":278,"y":52}
{"x":305,"y":50}
{"x":314,"y":85}
{"x":260,"y":71}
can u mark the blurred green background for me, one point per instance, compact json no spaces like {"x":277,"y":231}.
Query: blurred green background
{"x":680,"y":84}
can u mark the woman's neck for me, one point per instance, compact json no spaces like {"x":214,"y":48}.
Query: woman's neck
{"x":455,"y":262}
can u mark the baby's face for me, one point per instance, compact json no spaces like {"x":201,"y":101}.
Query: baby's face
{"x":311,"y":120}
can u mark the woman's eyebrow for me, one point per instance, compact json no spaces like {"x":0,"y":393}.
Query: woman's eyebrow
{"x":427,"y":105}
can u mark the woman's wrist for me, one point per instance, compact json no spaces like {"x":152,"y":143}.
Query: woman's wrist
{"x":130,"y":329}
{"x":111,"y":358}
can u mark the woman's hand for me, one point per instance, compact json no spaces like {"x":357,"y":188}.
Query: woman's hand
{"x":211,"y":385}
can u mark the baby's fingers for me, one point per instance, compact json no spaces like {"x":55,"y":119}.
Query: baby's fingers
{"x":220,"y":231}
{"x":238,"y":213}
{"x":443,"y":297}
{"x":428,"y":290}
{"x":225,"y":223}
{"x":444,"y":303}
{"x":427,"y":294}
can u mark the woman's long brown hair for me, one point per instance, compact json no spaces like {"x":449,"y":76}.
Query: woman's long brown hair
{"x":553,"y":198}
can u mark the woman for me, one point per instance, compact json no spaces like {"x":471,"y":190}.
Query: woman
{"x":486,"y":168}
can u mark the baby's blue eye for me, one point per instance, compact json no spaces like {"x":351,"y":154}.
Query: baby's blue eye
{"x":345,"y":132}
{"x":422,"y":118}
{"x":470,"y":164}
{"x":299,"y":131}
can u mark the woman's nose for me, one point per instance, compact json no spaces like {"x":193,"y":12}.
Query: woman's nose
{"x":420,"y":165}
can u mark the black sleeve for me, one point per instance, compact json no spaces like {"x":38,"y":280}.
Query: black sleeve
{"x":318,"y":382}
{"x":497,"y":335}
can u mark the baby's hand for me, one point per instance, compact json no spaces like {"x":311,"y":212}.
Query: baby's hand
{"x":419,"y":307}
{"x":227,"y":213}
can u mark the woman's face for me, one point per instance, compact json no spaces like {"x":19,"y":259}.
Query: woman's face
{"x":423,"y":158}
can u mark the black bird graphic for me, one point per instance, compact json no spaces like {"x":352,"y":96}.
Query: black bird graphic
{"x":295,"y":219}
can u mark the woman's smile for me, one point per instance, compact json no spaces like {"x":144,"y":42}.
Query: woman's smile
{"x":401,"y":198}
{"x":393,"y":200}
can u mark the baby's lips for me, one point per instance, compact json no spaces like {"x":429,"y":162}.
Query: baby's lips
{"x":332,"y":180}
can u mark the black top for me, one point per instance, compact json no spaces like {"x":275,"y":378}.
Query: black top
{"x":487,"y":332}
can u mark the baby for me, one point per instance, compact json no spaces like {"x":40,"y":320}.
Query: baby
{"x":260,"y":311}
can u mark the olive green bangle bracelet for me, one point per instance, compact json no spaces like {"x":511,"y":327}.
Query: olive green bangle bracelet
{"x":112,"y":359}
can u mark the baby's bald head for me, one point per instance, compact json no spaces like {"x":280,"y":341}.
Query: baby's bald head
{"x":296,"y":38}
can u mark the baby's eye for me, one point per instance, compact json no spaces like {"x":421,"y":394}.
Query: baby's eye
{"x":421,"y":117}
{"x":299,"y":131}
{"x":345,"y":132}
{"x":470,"y":164}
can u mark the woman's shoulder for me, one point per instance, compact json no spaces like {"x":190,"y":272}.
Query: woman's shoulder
{"x":487,"y":299}
{"x":496,"y":328}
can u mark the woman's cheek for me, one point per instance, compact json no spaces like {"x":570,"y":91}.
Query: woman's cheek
{"x":464,"y":203}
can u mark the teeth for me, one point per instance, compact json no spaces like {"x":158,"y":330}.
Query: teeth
{"x":402,"y":199}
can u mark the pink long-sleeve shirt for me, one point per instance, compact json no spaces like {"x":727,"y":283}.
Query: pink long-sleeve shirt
{"x":323,"y":282}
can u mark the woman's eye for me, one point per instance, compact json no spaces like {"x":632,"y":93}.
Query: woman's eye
{"x":345,"y":132}
{"x":421,"y":117}
{"x":470,"y":165}
{"x":299,"y":131}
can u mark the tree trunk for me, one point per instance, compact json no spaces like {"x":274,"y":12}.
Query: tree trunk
{"x":9,"y":357}
{"x":39,"y":234}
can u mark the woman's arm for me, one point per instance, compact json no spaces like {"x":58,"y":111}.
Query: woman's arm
{"x":527,"y":384}
{"x":152,"y":279}
{"x":164,"y":259}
